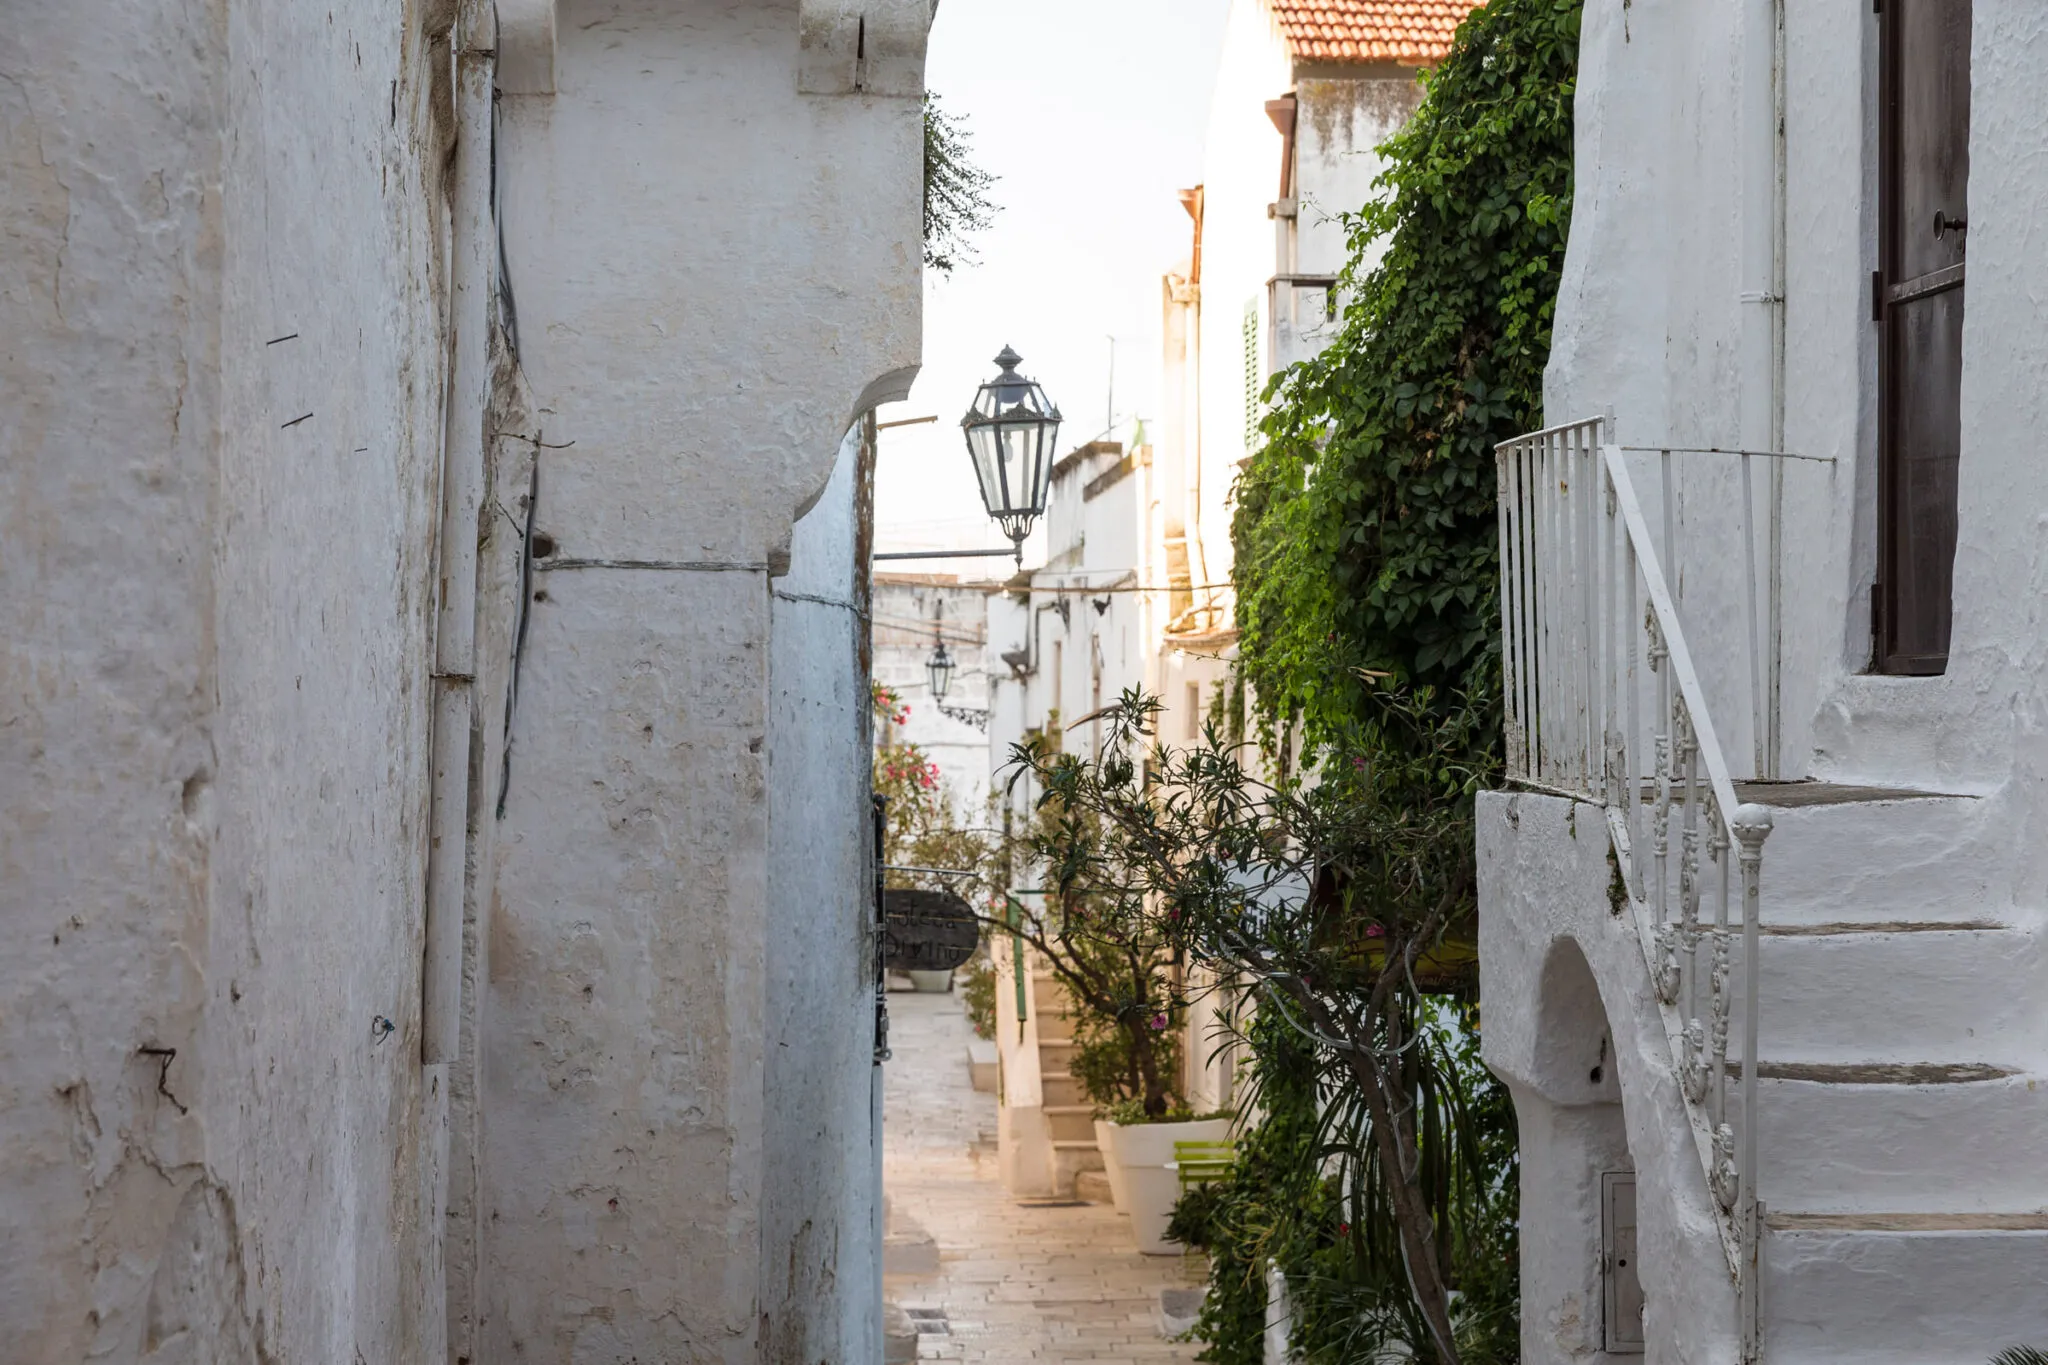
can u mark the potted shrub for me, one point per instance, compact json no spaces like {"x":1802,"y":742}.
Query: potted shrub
{"x":1113,"y":952}
{"x":1144,"y":1153}
{"x":1126,"y":1040}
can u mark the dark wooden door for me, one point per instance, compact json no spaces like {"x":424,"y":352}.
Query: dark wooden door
{"x":1925,"y":152}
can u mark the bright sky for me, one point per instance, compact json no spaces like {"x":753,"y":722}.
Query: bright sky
{"x":1090,"y":113}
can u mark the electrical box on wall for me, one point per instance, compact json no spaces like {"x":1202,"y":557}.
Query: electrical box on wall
{"x":1621,"y":1286}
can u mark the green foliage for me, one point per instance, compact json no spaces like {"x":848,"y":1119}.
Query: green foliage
{"x":1365,"y":527}
{"x":1344,"y":904}
{"x":978,"y":994}
{"x":1111,"y":957}
{"x":1275,"y":1204}
{"x":1109,"y":1069}
{"x":2020,"y":1355}
{"x":1365,"y":539}
{"x":922,"y":828}
{"x":1282,"y":1203}
{"x":956,"y":202}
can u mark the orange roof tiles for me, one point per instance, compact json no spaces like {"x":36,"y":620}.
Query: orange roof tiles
{"x":1411,"y":32}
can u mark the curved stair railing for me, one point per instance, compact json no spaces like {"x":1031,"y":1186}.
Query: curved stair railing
{"x":1591,"y":640}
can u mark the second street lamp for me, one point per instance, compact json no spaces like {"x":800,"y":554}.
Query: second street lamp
{"x":1011,"y":431}
{"x":939,"y":671}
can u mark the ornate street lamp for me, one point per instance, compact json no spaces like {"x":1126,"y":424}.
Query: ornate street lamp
{"x":1010,"y":433}
{"x":939,"y":670}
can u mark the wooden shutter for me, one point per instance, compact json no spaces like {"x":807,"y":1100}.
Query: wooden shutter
{"x":1924,"y":86}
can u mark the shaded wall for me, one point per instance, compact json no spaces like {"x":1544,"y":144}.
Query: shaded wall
{"x":220,"y":354}
{"x":695,"y":355}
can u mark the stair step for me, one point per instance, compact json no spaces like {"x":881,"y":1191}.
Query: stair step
{"x":1848,"y":993}
{"x":1058,"y":1089}
{"x":1879,"y":1073}
{"x":1070,"y":1121}
{"x":1885,"y":856}
{"x":1903,"y":1288}
{"x":1939,"y":1137}
{"x":1907,"y":1222}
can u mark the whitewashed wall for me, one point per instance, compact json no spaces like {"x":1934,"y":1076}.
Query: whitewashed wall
{"x":694,"y":370}
{"x":227,"y":319}
{"x":907,"y":608}
{"x":213,"y":679}
{"x":1240,"y":177}
{"x":1650,"y":324}
{"x":1084,"y":642}
{"x":821,"y":1268}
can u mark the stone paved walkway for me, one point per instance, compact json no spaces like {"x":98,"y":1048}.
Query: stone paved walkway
{"x":1013,"y":1283}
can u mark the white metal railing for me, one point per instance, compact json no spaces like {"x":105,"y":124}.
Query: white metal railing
{"x":1593,"y":648}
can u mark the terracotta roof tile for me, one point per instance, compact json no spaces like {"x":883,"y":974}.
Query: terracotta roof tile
{"x":1411,"y":32}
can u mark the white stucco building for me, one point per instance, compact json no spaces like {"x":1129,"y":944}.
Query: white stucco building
{"x":1305,"y":92}
{"x":1820,"y":1135}
{"x":434,"y":843}
{"x":913,"y":612}
{"x":1135,"y":590}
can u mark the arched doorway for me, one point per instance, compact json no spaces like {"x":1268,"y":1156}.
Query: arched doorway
{"x":1579,"y":1271}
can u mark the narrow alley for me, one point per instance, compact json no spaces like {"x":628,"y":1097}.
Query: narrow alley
{"x":982,"y":1277}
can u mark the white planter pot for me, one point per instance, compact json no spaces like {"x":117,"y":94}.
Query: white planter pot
{"x":1112,"y":1166}
{"x":1150,"y":1189}
{"x":931,"y":983}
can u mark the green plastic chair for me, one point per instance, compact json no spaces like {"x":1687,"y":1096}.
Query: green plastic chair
{"x":1199,"y":1163}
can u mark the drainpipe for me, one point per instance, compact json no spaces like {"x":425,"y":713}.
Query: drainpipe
{"x":1763,"y":314}
{"x":462,"y":481}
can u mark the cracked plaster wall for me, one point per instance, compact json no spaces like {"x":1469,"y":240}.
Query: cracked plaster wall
{"x":714,"y":274}
{"x":213,"y":655}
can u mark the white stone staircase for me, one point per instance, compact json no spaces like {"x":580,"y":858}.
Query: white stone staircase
{"x":1902,"y":1096}
{"x":1886,"y":1202}
{"x":1069,"y":1116}
{"x":1045,"y":1129}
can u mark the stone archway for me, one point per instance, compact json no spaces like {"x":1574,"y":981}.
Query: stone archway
{"x":1577,"y":1174}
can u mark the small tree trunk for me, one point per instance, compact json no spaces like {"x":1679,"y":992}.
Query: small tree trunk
{"x":1398,"y":1159}
{"x":1146,"y":1054}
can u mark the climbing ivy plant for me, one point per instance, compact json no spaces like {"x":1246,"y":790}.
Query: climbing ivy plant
{"x":1365,"y":524}
{"x":1365,"y":538}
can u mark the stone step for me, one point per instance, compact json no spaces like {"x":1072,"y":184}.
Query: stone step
{"x":1058,"y":1087}
{"x":1055,"y":1028}
{"x":1070,"y":1160}
{"x":1071,"y":1122}
{"x":1092,"y":1186}
{"x":1890,"y":1137}
{"x":1902,"y":1288}
{"x":1893,"y":858}
{"x":1833,"y":994}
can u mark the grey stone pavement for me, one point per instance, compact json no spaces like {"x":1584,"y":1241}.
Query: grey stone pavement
{"x":987,"y":1279}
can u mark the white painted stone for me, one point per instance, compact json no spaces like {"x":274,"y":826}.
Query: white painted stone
{"x":1908,"y":932}
{"x":230,"y":315}
{"x":1573,"y":1027}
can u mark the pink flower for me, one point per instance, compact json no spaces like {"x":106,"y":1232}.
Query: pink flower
{"x":1358,"y":764}
{"x":1158,"y":1022}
